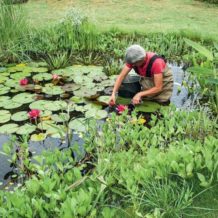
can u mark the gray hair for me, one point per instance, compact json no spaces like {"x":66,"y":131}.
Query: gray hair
{"x":134,"y":53}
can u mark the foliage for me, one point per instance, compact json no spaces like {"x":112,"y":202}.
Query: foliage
{"x":207,"y":72}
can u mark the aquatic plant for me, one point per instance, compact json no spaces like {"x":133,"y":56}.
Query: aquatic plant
{"x":34,"y":113}
{"x":23,"y":82}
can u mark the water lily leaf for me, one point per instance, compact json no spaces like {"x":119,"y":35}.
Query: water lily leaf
{"x":12,"y":104}
{"x":60,"y":118}
{"x":20,"y":116}
{"x":24,"y":98}
{"x":107,"y":83}
{"x":4,"y":89}
{"x":9,"y":128}
{"x":39,"y":69}
{"x":77,"y":99}
{"x":38,"y":137}
{"x":91,"y":106}
{"x":57,"y":131}
{"x":44,"y":125}
{"x":70,"y":87}
{"x":19,"y":76}
{"x":40,"y":105}
{"x":97,"y":114}
{"x":11,"y":83}
{"x":78,"y":108}
{"x":103,"y":99}
{"x":42,"y":77}
{"x":4,"y":100}
{"x":78,"y":79}
{"x":87,"y":93}
{"x":45,"y":113}
{"x":79,"y":125}
{"x":3,"y":79}
{"x":26,"y":129}
{"x":52,"y":90}
{"x":4,"y":116}
{"x":55,"y":105}
{"x":2,"y":69}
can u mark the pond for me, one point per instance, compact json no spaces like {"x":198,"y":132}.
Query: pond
{"x":65,"y":97}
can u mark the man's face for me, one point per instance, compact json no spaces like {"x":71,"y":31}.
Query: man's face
{"x":138,"y":63}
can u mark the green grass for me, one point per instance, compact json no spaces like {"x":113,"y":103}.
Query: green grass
{"x":139,"y":15}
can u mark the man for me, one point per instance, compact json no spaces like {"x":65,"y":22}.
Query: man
{"x":156,"y":77}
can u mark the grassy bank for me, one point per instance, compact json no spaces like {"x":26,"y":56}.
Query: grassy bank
{"x":142,"y":16}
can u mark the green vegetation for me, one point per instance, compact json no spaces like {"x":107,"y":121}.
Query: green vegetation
{"x":162,"y":167}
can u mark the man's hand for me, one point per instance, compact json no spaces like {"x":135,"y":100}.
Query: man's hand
{"x":112,"y":100}
{"x":137,"y":98}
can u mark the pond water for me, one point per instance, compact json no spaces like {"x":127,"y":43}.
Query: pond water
{"x":179,"y":98}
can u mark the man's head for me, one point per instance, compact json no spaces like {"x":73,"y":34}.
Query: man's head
{"x":135,"y":55}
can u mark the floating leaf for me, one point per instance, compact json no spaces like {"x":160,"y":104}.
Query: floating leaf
{"x":3,"y":79}
{"x":40,"y":105}
{"x":77,"y":99}
{"x":56,"y":105}
{"x":9,"y":128}
{"x":53,"y":90}
{"x":38,"y":137}
{"x":104,"y":99}
{"x":97,"y":114}
{"x":26,"y":129}
{"x":70,"y":87}
{"x":24,"y":98}
{"x":78,"y":125}
{"x":4,"y":116}
{"x":57,"y":131}
{"x":44,"y":125}
{"x":42,"y":77}
{"x":12,"y":104}
{"x":60,"y":118}
{"x":4,"y":89}
{"x":20,"y":116}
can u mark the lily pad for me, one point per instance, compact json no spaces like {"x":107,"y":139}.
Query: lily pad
{"x":4,"y":100}
{"x":87,"y":93}
{"x":77,"y":99}
{"x":3,"y":79}
{"x":96,"y":114}
{"x":19,"y":76}
{"x":26,"y":129}
{"x":11,"y":83}
{"x":56,"y":105}
{"x":52,"y":90}
{"x":4,"y":89}
{"x":38,"y":137}
{"x":42,"y":77}
{"x":57,"y":131}
{"x":20,"y":116}
{"x":9,"y":128}
{"x":44,"y":125}
{"x":40,"y":105}
{"x":5,"y":116}
{"x":12,"y":105}
{"x":70,"y":87}
{"x":24,"y":98}
{"x":79,"y":125}
{"x":104,"y":99}
{"x":60,"y":118}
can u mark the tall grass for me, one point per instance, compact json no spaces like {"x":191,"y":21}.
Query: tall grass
{"x":13,"y":30}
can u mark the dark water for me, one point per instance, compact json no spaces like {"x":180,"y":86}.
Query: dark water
{"x":179,"y":98}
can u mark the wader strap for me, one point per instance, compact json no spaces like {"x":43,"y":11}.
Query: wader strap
{"x":150,"y":64}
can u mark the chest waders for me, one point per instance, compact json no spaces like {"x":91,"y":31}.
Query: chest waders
{"x":147,"y":82}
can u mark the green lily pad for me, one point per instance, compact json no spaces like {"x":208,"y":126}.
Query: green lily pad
{"x":4,"y":100}
{"x":20,"y":116}
{"x":40,"y":105}
{"x":77,"y":99}
{"x":79,"y":79}
{"x":26,"y":129}
{"x":104,"y":99}
{"x":44,"y":125}
{"x":5,"y":116}
{"x":57,"y":131}
{"x":53,"y":90}
{"x":42,"y":77}
{"x":60,"y":118}
{"x":56,"y":105}
{"x":78,"y":125}
{"x":96,"y":114}
{"x":3,"y":79}
{"x":145,"y":106}
{"x":70,"y":87}
{"x":19,"y":76}
{"x":24,"y":98}
{"x":78,"y":108}
{"x":45,"y":113}
{"x":38,"y":137}
{"x":87,"y":93}
{"x":9,"y":128}
{"x":12,"y":105}
{"x":3,"y":69}
{"x":4,"y":89}
{"x":91,"y":106}
{"x":11,"y":83}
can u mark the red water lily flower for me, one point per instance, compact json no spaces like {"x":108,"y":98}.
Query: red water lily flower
{"x":55,"y":76}
{"x":34,"y":114}
{"x":24,"y":82}
{"x":120,"y":108}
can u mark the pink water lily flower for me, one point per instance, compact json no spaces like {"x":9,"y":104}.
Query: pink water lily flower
{"x":55,"y":76}
{"x":120,"y":108}
{"x":34,"y":114}
{"x":24,"y":82}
